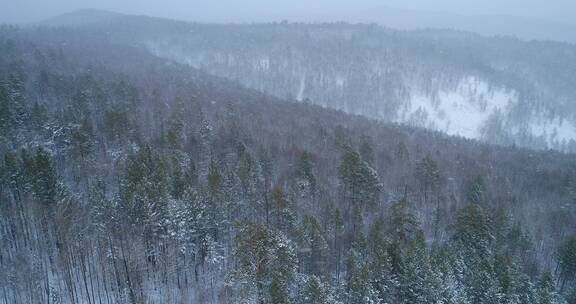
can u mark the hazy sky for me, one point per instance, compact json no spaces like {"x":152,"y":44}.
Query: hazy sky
{"x":243,"y":10}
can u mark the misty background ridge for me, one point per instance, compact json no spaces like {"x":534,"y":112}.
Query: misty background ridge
{"x":525,"y":19}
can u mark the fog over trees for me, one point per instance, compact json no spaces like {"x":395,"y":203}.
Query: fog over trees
{"x":147,"y":160}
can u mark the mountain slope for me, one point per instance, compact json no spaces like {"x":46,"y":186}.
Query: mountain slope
{"x":83,"y":17}
{"x":525,"y":28}
{"x":500,"y":90}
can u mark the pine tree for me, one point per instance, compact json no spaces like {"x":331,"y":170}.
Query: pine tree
{"x":17,"y":102}
{"x":265,"y":263}
{"x":102,"y":210}
{"x":315,"y":291}
{"x":402,"y":152}
{"x":547,"y":291}
{"x":12,"y":176}
{"x":215,"y":212}
{"x":246,"y":173}
{"x":428,"y":175}
{"x":117,"y":124}
{"x":473,"y":230}
{"x":359,"y":182}
{"x":81,"y":138}
{"x":566,"y":255}
{"x":404,"y":227}
{"x":417,"y":281}
{"x":205,"y":139}
{"x":366,"y":150}
{"x":515,"y":287}
{"x":44,"y":178}
{"x":214,"y":179}
{"x":359,"y":287}
{"x":175,"y":134}
{"x":406,"y":261}
{"x":384,"y":280}
{"x":305,"y":185}
{"x":314,"y":245}
{"x":472,"y":243}
{"x":278,"y":292}
{"x":38,"y":114}
{"x":282,"y":212}
{"x":335,"y":232}
{"x":14,"y":113}
{"x":476,"y":191}
{"x":144,"y":192}
{"x":5,"y":112}
{"x":178,"y":181}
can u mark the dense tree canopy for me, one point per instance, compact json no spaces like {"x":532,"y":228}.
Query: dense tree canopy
{"x":126,"y":178}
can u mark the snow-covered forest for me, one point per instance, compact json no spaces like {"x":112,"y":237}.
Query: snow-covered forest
{"x":128,"y":175}
{"x":497,"y":89}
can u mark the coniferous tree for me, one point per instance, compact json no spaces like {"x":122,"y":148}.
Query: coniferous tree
{"x":566,"y":255}
{"x":359,"y":182}
{"x":367,"y":151}
{"x":402,"y":152}
{"x":472,"y":241}
{"x":476,"y":191}
{"x":314,"y":245}
{"x":305,"y":184}
{"x":81,"y":138}
{"x":144,"y":189}
{"x":359,"y":287}
{"x":43,"y":177}
{"x":266,"y":263}
{"x":278,"y":292}
{"x":16,"y":101}
{"x":547,"y":291}
{"x":282,"y":212}
{"x":5,"y":112}
{"x":175,"y":134}
{"x":384,"y":280}
{"x":428,"y":175}
{"x":315,"y":291}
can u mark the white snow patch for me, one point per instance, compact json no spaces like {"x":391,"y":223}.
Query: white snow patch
{"x":340,"y":81}
{"x":555,"y":132}
{"x":263,"y":64}
{"x":457,"y":112}
{"x":300,"y":95}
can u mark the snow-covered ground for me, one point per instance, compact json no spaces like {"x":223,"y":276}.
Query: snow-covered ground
{"x":457,"y":112}
{"x":465,"y":110}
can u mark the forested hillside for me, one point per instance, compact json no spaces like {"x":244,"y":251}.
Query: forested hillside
{"x":130,"y":178}
{"x":498,"y":89}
